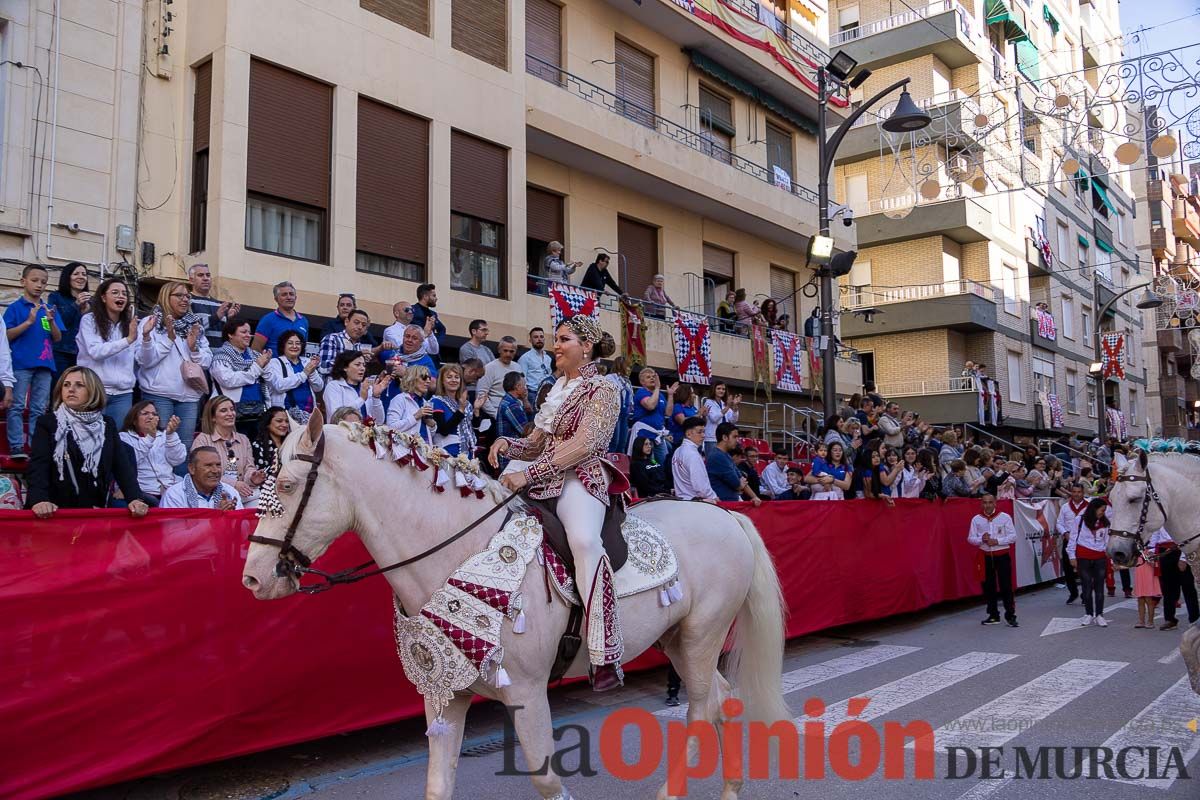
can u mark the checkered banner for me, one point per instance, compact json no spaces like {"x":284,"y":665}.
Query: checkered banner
{"x":693,"y":348}
{"x":1112,"y":347}
{"x":789,"y":361}
{"x":566,"y":301}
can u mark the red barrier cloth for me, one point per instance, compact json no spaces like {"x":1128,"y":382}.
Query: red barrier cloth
{"x":129,"y":647}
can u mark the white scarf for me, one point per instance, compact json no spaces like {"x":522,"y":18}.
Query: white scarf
{"x":87,"y":429}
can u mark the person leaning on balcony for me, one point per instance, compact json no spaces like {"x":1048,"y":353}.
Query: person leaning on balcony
{"x":656,"y":293}
{"x":747,"y":313}
{"x":598,"y":276}
{"x":555,"y":268}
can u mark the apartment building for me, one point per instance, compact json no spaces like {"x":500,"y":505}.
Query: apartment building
{"x":971,"y":233}
{"x":1169,"y":238}
{"x":369,"y":146}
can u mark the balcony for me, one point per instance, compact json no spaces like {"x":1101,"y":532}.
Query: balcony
{"x":1171,"y":341}
{"x":951,"y":213}
{"x":952,"y":122}
{"x":938,"y":401}
{"x":964,"y":305}
{"x":942,"y":27}
{"x":1038,"y":266}
{"x":782,"y":75}
{"x":1185,"y":221}
{"x":577,"y":123}
{"x":1162,"y":243}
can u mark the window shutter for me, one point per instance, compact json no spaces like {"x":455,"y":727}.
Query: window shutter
{"x":860,"y":273}
{"x":638,"y":244}
{"x":635,"y":83}
{"x":412,"y":14}
{"x":543,"y":215}
{"x":392,"y":183}
{"x":718,"y":261}
{"x":543,"y":39}
{"x":202,"y":107}
{"x":779,"y":149}
{"x":480,"y":28}
{"x":783,"y":291}
{"x":717,"y":112}
{"x":478,"y":178}
{"x":289,"y":146}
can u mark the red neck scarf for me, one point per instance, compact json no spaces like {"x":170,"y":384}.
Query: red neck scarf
{"x":1078,"y":509}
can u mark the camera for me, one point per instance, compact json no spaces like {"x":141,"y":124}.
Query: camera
{"x":848,"y":217}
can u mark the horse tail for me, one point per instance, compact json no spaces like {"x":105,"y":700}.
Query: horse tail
{"x":755,"y":661}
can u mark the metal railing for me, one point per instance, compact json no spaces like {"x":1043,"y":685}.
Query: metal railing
{"x":765,"y":15}
{"x":908,"y":200}
{"x":700,"y":141}
{"x":963,"y":385}
{"x":990,"y":436}
{"x":906,"y":18}
{"x":938,"y":104}
{"x":866,"y":297}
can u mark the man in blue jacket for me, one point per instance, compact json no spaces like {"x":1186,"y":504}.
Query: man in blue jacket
{"x":727,"y":480}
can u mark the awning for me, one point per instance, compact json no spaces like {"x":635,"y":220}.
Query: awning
{"x":744,"y":87}
{"x":1012,"y":17}
{"x":1099,"y":191}
{"x":1050,"y":19}
{"x":1082,"y":181}
{"x":1028,"y":60}
{"x":1105,"y":246}
{"x":1083,"y":240}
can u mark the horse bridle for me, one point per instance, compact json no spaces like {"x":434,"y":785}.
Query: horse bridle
{"x":294,"y":564}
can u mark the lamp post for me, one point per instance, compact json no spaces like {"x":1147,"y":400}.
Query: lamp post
{"x":1146,"y":301}
{"x":906,"y":117}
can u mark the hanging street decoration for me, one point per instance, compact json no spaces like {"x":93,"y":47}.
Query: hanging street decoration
{"x":1112,"y":346}
{"x":693,"y":348}
{"x":789,"y":361}
{"x":633,"y":334}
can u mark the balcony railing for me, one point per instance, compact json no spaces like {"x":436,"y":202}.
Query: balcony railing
{"x":798,"y":41}
{"x":906,"y":200}
{"x":965,"y":385}
{"x":698,"y":140}
{"x":660,"y":315}
{"x":867,"y":297}
{"x":939,"y":105}
{"x":906,"y":18}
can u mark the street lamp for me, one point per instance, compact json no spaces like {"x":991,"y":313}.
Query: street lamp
{"x":1148,"y":300}
{"x":906,"y":118}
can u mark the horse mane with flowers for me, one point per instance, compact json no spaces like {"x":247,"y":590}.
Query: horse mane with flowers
{"x":1176,"y":446}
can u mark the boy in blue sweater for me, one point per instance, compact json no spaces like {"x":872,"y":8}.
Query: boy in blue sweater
{"x":32,"y":332}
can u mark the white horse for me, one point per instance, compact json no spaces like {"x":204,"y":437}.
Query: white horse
{"x":725,"y":569}
{"x":1159,"y":490}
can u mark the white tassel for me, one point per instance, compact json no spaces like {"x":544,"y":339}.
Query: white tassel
{"x":519,"y":624}
{"x":502,"y":678}
{"x":664,"y":598}
{"x":439,"y":727}
{"x":675,"y":592}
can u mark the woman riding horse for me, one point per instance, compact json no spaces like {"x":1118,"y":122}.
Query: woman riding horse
{"x":562,"y":461}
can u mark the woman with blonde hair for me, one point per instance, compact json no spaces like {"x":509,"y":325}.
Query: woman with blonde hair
{"x":555,"y":268}
{"x":409,"y":412}
{"x":76,"y":455}
{"x":452,"y":413}
{"x":171,"y":356}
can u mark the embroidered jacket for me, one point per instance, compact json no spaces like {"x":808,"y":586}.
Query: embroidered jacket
{"x":581,"y":431}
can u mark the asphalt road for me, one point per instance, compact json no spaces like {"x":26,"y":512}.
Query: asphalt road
{"x":1048,"y":684}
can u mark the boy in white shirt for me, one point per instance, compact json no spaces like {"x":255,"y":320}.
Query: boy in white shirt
{"x":993,"y":532}
{"x":774,"y":477}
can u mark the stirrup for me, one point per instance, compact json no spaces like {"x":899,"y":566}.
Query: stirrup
{"x":605,"y":677}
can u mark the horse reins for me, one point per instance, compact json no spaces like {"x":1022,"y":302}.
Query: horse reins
{"x":294,"y":564}
{"x":1150,"y":494}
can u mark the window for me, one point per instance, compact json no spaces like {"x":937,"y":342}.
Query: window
{"x":1068,"y":316}
{"x":544,"y":214}
{"x":478,"y":214}
{"x":1091,"y":399}
{"x":1043,"y":374}
{"x":476,"y":255}
{"x":1133,"y":406}
{"x":1012,"y":299}
{"x":392,"y":192}
{"x":860,"y":278}
{"x":718,"y":277}
{"x":1130,"y":347}
{"x":1121,"y":228}
{"x":1016,"y":392}
{"x":289,"y":151}
{"x":201,"y":120}
{"x":848,"y":21}
{"x":1085,"y":325}
{"x":1072,"y":391}
{"x":412,"y":14}
{"x":779,"y":153}
{"x":479,"y":28}
{"x":1081,"y":255}
{"x":543,"y":40}
{"x":1004,"y":204}
{"x":639,"y":244}
{"x":856,"y":193}
{"x":1064,"y":243}
{"x":635,"y":83}
{"x":783,"y":290}
{"x":716,"y":125}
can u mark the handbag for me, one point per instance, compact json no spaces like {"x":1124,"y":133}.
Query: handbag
{"x":191,"y":372}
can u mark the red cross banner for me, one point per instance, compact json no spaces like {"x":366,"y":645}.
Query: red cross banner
{"x":633,"y":334}
{"x":1112,"y":346}
{"x":789,"y":361}
{"x":566,"y":301}
{"x":693,"y":349}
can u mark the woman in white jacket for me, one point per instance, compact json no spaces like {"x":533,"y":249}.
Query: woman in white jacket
{"x":293,"y":384}
{"x":156,"y":452}
{"x":175,"y":337}
{"x":106,"y":346}
{"x":348,"y":389}
{"x":409,"y":412}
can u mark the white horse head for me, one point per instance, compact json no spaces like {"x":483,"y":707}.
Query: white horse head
{"x":1133,"y":516}
{"x":1155,"y":489}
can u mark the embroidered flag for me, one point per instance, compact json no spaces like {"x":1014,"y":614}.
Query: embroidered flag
{"x":816,"y":364}
{"x":760,"y":361}
{"x":633,"y":334}
{"x":693,"y":350}
{"x":567,"y":300}
{"x":1045,"y":323}
{"x":1117,"y":425}
{"x":1056,"y":411}
{"x":1112,"y":346}
{"x":789,"y":361}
